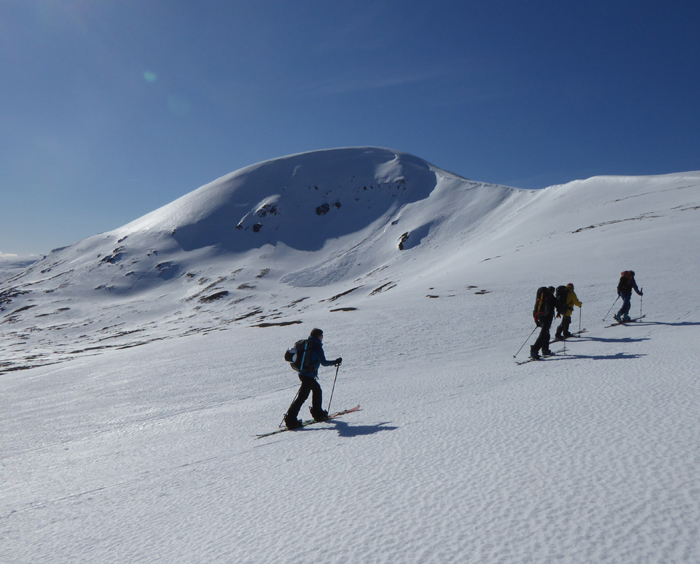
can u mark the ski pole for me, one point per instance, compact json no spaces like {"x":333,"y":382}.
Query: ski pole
{"x":333,"y":388}
{"x":526,"y":340}
{"x":641,"y":301}
{"x":612,"y":306}
{"x":295,"y":399}
{"x":580,"y":315}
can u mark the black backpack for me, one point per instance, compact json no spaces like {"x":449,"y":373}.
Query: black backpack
{"x":625,"y":284}
{"x":538,"y":312}
{"x":539,"y":301}
{"x":299,"y":356}
{"x":562,"y":294}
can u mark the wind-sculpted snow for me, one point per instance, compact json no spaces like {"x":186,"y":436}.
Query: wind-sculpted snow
{"x":135,"y":374}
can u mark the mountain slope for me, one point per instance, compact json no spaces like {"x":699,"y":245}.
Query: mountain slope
{"x":457,"y":455}
{"x":249,"y":248}
{"x":208,"y":259}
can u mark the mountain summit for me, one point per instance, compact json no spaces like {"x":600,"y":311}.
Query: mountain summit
{"x":295,"y":200}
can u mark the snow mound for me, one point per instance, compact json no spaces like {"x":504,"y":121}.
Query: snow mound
{"x":301,"y":200}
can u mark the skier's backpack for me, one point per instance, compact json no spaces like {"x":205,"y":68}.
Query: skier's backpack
{"x":625,"y":284}
{"x":562,"y":294}
{"x":539,"y":301}
{"x":539,"y":304}
{"x":299,"y":356}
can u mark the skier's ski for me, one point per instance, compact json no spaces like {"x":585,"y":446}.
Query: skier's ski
{"x":626,"y":322}
{"x":309,"y":422}
{"x":543,"y":357}
{"x":560,"y":339}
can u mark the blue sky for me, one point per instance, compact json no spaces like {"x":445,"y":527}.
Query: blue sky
{"x":110,"y":109}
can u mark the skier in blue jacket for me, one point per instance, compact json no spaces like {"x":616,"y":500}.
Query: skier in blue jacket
{"x":309,"y":383}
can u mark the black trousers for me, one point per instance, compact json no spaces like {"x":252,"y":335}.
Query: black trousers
{"x":542,"y":341}
{"x":308,"y":385}
{"x":564,"y":325}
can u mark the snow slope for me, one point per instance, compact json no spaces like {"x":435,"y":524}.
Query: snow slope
{"x":118,"y":453}
{"x":13,"y":265}
{"x":241,"y":250}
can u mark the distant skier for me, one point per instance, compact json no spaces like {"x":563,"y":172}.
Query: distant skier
{"x":545,"y":308}
{"x":624,"y":290}
{"x":567,"y":308}
{"x":309,"y":384}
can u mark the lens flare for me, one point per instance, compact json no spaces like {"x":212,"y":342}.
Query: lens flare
{"x":179,"y":105}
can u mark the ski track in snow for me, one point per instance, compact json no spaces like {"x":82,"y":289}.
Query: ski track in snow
{"x":147,"y":453}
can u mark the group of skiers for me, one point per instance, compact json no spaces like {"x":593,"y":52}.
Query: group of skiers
{"x":307,"y":355}
{"x":551,"y":301}
{"x":562,"y":300}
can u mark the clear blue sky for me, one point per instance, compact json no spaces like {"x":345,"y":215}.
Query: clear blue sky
{"x":111,"y":108}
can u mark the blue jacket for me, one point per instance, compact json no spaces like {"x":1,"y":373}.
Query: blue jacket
{"x":318,"y":358}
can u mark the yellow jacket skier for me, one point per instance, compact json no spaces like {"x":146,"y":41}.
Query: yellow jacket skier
{"x":571,"y":301}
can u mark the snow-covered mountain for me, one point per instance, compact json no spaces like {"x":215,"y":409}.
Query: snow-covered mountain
{"x":356,"y":222}
{"x":12,"y":265}
{"x":345,"y":219}
{"x":424,"y":283}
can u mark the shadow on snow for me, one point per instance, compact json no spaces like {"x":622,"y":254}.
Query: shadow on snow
{"x":346,"y":430}
{"x":616,"y":356}
{"x":625,"y":340}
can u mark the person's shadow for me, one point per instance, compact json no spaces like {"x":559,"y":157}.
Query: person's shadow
{"x":614,"y":356}
{"x":679,"y":324}
{"x":623,"y":340}
{"x":346,"y":430}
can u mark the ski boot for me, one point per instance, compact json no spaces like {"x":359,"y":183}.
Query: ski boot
{"x":318,"y":415}
{"x":291,"y":422}
{"x":533,"y":353}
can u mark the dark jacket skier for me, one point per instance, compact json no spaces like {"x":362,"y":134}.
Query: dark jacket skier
{"x":309,"y":384}
{"x":624,"y":290}
{"x":544,"y":317}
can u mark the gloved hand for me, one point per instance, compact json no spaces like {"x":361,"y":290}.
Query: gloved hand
{"x":337,"y":362}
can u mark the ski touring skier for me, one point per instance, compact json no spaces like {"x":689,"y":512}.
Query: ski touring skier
{"x":624,"y":290}
{"x":545,"y":308}
{"x":567,"y":308}
{"x":308,"y":376}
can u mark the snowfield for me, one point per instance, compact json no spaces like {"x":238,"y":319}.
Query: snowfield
{"x":138,"y":365}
